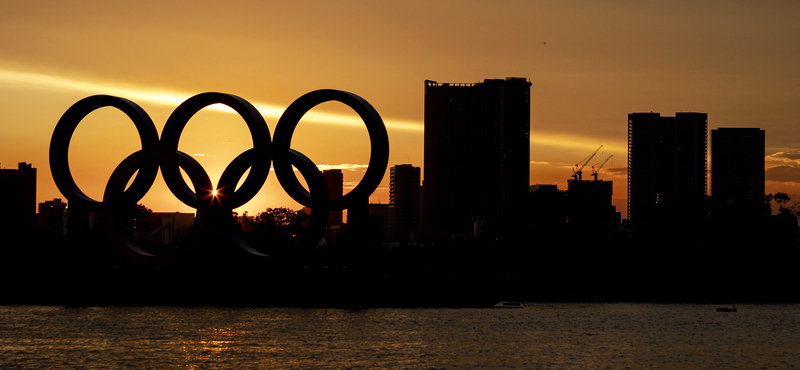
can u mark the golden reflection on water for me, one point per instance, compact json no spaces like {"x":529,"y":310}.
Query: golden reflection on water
{"x":212,"y":345}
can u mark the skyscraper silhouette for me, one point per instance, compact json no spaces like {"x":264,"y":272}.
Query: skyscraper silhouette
{"x":477,"y":153}
{"x":666,"y":162}
{"x":404,"y":201}
{"x":737,"y":165}
{"x":17,"y":203}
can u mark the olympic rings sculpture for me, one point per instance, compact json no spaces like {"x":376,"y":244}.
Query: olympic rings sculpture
{"x":163,"y":153}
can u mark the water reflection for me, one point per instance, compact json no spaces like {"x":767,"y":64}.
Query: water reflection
{"x":548,"y":336}
{"x":216,"y":345}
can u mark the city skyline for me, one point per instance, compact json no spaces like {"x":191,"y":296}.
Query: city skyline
{"x":589,"y":64}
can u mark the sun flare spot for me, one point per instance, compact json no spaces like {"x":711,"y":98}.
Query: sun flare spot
{"x":214,"y":192}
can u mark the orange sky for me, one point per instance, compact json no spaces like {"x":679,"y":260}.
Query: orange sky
{"x":590,"y":64}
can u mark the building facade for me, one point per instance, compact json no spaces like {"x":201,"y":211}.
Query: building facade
{"x":737,"y":165}
{"x":666,"y":162}
{"x":404,"y":201}
{"x":477,"y":153}
{"x":18,"y":202}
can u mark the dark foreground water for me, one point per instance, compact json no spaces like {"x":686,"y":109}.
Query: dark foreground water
{"x":559,"y":336}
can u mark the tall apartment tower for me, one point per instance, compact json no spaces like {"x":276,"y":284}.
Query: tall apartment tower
{"x":477,"y":153}
{"x":335,"y":181}
{"x":17,"y":203}
{"x":404,"y":201}
{"x":737,"y":165}
{"x":666,"y":161}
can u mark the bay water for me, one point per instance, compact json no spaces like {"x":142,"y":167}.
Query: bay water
{"x":539,"y":336}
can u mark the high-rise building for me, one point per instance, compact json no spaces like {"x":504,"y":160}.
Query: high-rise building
{"x":404,"y":201}
{"x":737,"y":165}
{"x":666,"y":161}
{"x":18,"y":202}
{"x":335,"y":181}
{"x":477,"y":153}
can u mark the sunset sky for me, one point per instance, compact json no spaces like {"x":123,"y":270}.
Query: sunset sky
{"x":590,"y":64}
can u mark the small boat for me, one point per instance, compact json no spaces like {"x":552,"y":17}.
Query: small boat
{"x":509,"y":304}
{"x":727,"y":309}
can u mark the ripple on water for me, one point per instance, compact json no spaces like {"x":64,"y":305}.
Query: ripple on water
{"x":539,"y":336}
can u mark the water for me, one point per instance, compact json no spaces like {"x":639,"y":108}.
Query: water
{"x":559,"y":336}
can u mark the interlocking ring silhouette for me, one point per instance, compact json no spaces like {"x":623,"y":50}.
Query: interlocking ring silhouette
{"x":163,"y":153}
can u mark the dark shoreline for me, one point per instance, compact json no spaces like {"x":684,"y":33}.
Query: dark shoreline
{"x":344,"y":289}
{"x":457,"y":274}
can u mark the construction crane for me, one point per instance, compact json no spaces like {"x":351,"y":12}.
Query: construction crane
{"x":580,"y":165}
{"x":596,"y":170}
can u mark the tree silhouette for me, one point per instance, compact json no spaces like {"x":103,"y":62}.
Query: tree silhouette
{"x":273,"y":231}
{"x":137,"y":220}
{"x":782,"y":200}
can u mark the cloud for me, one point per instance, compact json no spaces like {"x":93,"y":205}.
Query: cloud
{"x":349,"y":185}
{"x":785,"y":166}
{"x":792,"y":157}
{"x":343,"y":167}
{"x":617,"y":170}
{"x":783,"y":174}
{"x":203,"y":155}
{"x":534,"y":162}
{"x":568,"y":141}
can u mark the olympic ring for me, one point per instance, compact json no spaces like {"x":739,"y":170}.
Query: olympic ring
{"x":59,"y":147}
{"x":120,"y":177}
{"x":261,"y":145}
{"x":163,"y":153}
{"x":379,"y":145}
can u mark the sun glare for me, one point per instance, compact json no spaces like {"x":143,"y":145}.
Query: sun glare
{"x":214,"y":192}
